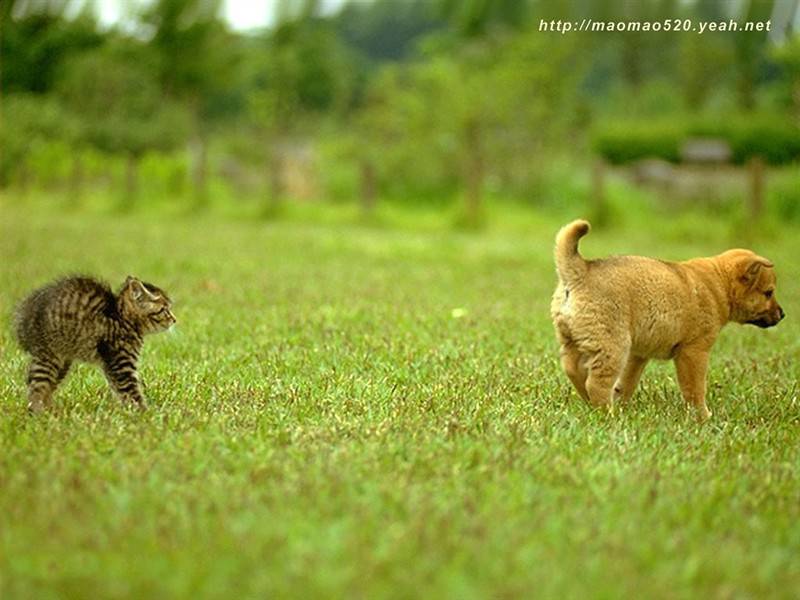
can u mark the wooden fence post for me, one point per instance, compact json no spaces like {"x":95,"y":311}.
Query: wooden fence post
{"x":598,"y":192}
{"x":757,"y":187}
{"x":368,"y":187}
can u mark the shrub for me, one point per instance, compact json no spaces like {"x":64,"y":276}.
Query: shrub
{"x":777,"y":143}
{"x":776,"y":140}
{"x":627,"y":142}
{"x":784,"y":196}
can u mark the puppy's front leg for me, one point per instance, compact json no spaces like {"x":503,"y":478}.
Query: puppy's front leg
{"x":573,"y":366}
{"x":630,"y":378}
{"x":692,"y":365}
{"x":604,"y":370}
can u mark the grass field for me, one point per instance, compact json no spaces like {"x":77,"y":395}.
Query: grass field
{"x":368,"y":411}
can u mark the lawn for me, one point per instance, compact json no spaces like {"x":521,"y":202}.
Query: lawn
{"x":372,"y":410}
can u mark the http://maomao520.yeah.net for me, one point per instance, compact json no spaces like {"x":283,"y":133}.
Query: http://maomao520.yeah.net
{"x":664,"y":25}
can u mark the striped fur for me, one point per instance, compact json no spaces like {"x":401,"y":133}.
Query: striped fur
{"x":81,"y":319}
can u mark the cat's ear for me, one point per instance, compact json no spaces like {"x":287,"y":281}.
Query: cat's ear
{"x":137,"y":290}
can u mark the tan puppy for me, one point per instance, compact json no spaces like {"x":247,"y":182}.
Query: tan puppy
{"x":613,"y":315}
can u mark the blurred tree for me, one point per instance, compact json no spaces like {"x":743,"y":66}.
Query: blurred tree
{"x":121,"y":107}
{"x":704,"y":63}
{"x":387,"y":29}
{"x":35,"y":40}
{"x":644,"y":55}
{"x":788,"y":56}
{"x":301,"y":73}
{"x":476,"y":17}
{"x":459,"y":114}
{"x":749,"y":51}
{"x":28,"y":119}
{"x":196,"y":60}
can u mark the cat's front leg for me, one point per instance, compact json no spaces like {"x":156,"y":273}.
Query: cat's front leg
{"x":121,"y":372}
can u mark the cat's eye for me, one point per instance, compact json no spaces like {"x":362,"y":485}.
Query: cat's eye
{"x":768,"y":294}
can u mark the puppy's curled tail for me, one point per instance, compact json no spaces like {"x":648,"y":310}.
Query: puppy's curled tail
{"x":570,"y":265}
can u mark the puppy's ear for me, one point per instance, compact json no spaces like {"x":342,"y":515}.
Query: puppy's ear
{"x":752,"y":267}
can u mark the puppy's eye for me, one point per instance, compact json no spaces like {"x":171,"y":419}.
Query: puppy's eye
{"x":768,"y":293}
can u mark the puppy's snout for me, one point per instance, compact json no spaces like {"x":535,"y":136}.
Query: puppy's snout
{"x":781,"y":314}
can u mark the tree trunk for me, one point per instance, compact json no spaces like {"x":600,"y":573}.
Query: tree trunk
{"x":275,"y":170}
{"x":76,"y":180}
{"x":473,"y":171}
{"x":24,"y":178}
{"x":368,"y":187}
{"x":598,"y":193}
{"x":796,"y":100}
{"x":200,"y":171}
{"x":746,"y":87}
{"x":757,"y":187}
{"x":131,"y":180}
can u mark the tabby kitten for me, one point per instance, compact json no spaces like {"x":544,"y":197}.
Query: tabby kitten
{"x":81,"y":319}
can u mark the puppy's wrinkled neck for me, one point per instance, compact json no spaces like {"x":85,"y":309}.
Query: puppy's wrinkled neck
{"x":727,"y":299}
{"x":710,"y":275}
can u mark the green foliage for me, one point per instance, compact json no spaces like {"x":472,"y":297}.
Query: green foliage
{"x":776,"y":140}
{"x":164,"y":176}
{"x":784,"y":196}
{"x":123,"y":111}
{"x":50,"y":160}
{"x":431,"y":123}
{"x":29,"y":120}
{"x":35,"y":44}
{"x":195,"y":58}
{"x":434,"y":100}
{"x":706,"y":61}
{"x":476,"y":17}
{"x":624,"y":142}
{"x":386,"y":29}
{"x":302,"y":72}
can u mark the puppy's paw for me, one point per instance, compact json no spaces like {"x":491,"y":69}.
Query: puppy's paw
{"x":703,"y":414}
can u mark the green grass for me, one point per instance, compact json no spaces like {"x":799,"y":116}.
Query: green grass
{"x":321,"y":425}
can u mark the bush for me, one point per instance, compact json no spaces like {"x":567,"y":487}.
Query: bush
{"x":627,"y":142}
{"x":776,"y":140}
{"x":777,"y":143}
{"x":784,"y":196}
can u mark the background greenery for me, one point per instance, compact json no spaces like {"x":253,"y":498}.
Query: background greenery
{"x":403,"y":101}
{"x":355,"y":211}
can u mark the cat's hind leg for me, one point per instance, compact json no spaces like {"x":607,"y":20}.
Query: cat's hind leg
{"x":44,"y":375}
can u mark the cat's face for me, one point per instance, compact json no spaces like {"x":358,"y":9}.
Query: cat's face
{"x":148,"y":304}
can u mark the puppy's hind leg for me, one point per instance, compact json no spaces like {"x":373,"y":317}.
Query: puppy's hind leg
{"x":604,"y":370}
{"x":575,"y":369}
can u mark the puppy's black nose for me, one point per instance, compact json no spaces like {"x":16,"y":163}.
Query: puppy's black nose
{"x":783,"y":314}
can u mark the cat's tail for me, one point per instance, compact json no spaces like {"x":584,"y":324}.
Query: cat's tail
{"x":570,"y":265}
{"x":21,"y":318}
